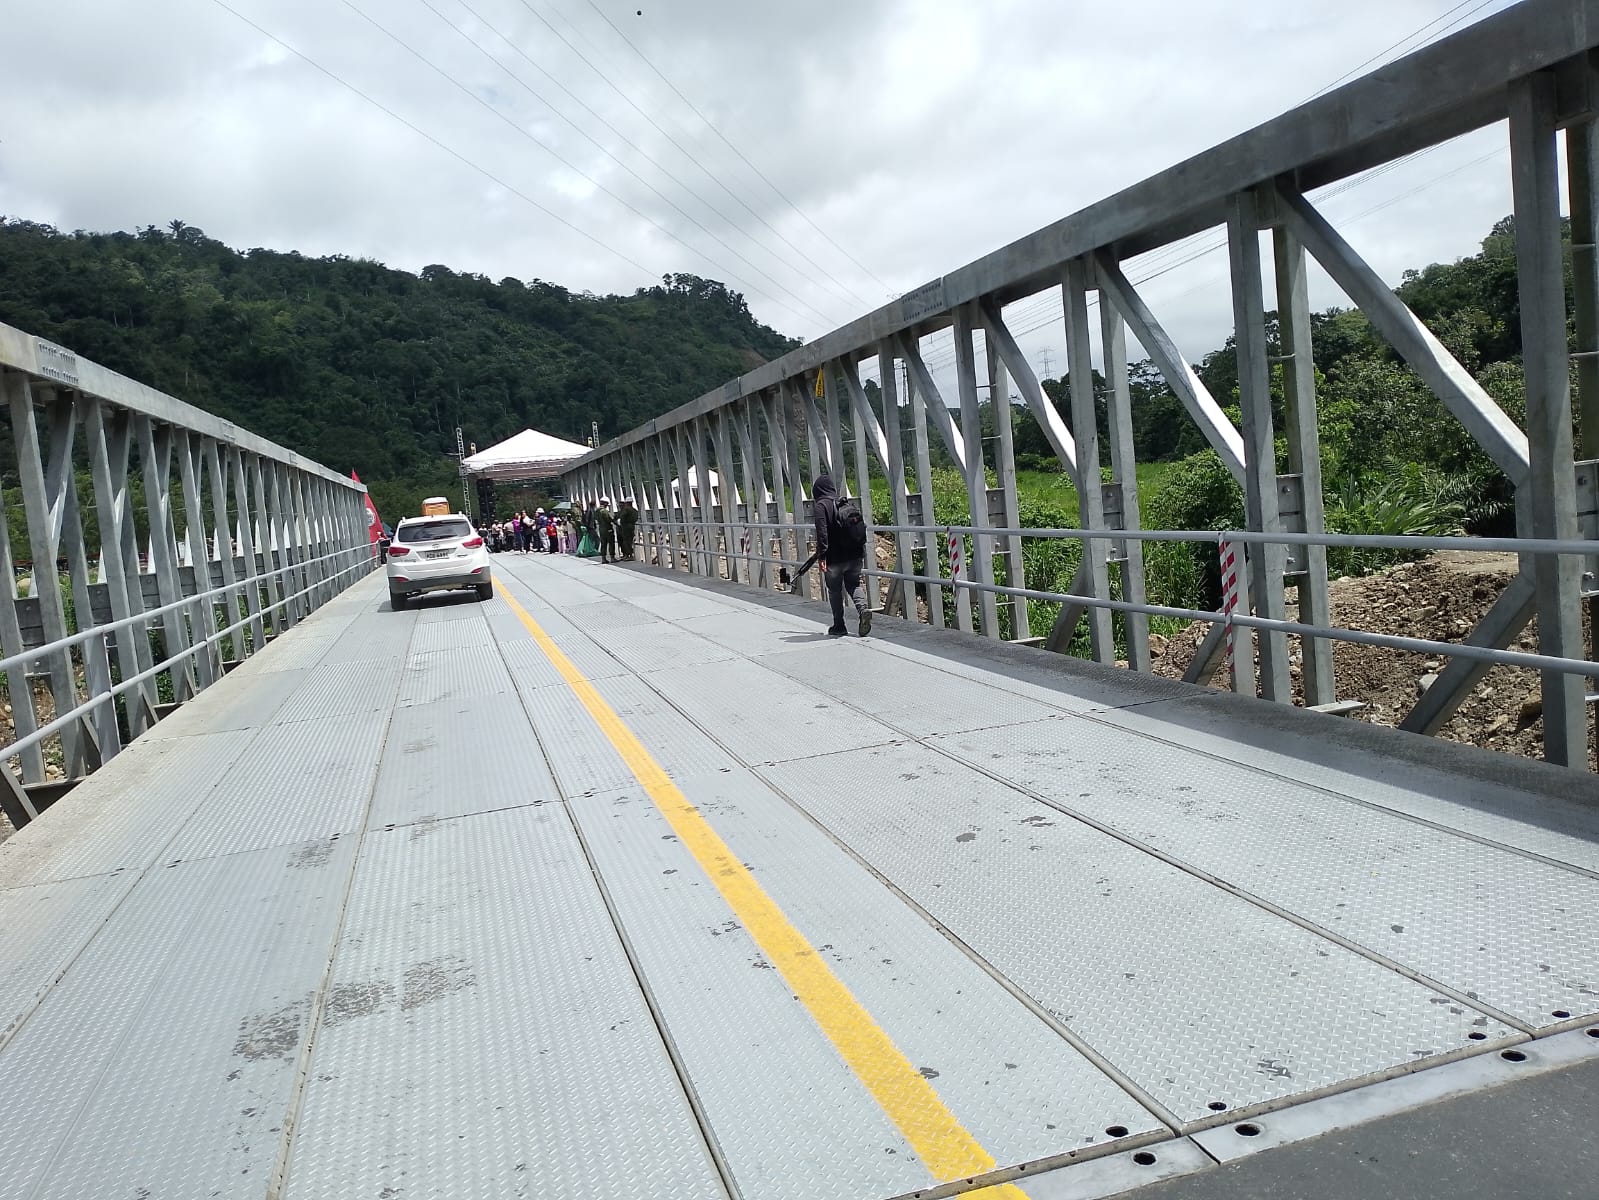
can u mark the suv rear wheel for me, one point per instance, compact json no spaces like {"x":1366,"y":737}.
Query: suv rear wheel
{"x":485,"y":591}
{"x":397,"y":600}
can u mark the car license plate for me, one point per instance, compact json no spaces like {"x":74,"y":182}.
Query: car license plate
{"x":437,"y":553}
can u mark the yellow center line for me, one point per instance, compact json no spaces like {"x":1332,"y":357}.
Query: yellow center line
{"x":947,"y":1148}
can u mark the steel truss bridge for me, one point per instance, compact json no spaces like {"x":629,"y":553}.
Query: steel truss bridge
{"x":632,"y":882}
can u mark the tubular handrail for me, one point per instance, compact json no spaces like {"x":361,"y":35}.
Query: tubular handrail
{"x":1513,"y":658}
{"x":87,"y":635}
{"x":202,"y":644}
{"x":1357,"y":541}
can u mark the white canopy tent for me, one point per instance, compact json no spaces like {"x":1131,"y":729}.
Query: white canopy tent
{"x":694,"y":488}
{"x":526,"y":455}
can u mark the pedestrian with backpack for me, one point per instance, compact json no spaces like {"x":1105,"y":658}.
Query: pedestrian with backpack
{"x":841,"y":553}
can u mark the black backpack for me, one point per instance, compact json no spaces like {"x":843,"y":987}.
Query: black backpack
{"x":847,"y":531}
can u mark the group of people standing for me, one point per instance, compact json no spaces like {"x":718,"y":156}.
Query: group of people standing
{"x":602,"y":527}
{"x":537,"y":534}
{"x":592,"y":532}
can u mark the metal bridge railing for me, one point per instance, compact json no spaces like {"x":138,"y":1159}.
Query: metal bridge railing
{"x":930,"y":584}
{"x":749,"y":450}
{"x":166,"y":545}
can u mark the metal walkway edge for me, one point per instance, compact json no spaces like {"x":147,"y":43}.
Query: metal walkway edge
{"x":617,"y":886}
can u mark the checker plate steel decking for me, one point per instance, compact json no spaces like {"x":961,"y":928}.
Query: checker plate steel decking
{"x":1020,"y":1087}
{"x":484,"y":1035}
{"x":338,"y":895}
{"x":426,"y":777}
{"x":789,"y":1115}
{"x":181,"y":1024}
{"x":1253,"y":1009}
{"x":1428,"y":899}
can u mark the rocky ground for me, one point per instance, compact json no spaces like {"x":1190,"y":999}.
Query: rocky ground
{"x":1441,"y":597}
{"x":44,"y":706}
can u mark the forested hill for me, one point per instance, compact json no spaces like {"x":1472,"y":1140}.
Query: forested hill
{"x":364,"y":367}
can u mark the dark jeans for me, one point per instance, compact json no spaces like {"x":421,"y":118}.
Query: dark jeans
{"x":607,"y":545}
{"x":845,"y":577}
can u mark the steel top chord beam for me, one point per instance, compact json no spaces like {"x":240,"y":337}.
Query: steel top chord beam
{"x":54,"y":364}
{"x":1446,"y":89}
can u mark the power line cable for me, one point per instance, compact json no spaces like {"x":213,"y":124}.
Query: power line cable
{"x":576,"y":170}
{"x":1384,"y":52}
{"x":1051,"y":300}
{"x":685,"y":151}
{"x":840,"y":291}
{"x":426,"y":136}
{"x":711,"y":125}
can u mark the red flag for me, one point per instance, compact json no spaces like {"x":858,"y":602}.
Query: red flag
{"x":373,"y":521}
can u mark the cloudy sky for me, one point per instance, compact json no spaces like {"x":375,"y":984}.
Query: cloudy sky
{"x":883,"y":142}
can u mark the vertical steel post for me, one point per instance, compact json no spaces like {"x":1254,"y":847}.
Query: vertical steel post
{"x":67,"y":529}
{"x":1085,"y":432}
{"x":1304,"y":457}
{"x":976,"y":469}
{"x":222,"y":535}
{"x":738,"y":565}
{"x":304,"y":549}
{"x":660,"y":478}
{"x":109,"y":433}
{"x":19,"y":685}
{"x":277,"y":516}
{"x":689,"y":485}
{"x":1551,"y":480}
{"x":155,"y":467}
{"x":773,"y":405}
{"x":1124,"y":476}
{"x":837,"y":461}
{"x":931,"y":548}
{"x":670,"y":500}
{"x":893,"y":437}
{"x":1582,"y":154}
{"x":800,"y":411}
{"x":864,"y":426}
{"x":202,"y":616}
{"x":1005,"y":471}
{"x":247,"y":550}
{"x":270,"y":543}
{"x":705,"y":492}
{"x":43,"y":543}
{"x":1260,"y":449}
{"x":755,"y":493}
{"x":111,"y":512}
{"x":816,"y":440}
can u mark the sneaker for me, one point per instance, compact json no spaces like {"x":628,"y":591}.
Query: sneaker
{"x":836,"y":631}
{"x":866,"y":622}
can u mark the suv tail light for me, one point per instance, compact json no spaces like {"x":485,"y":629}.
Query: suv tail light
{"x":399,"y":551}
{"x":471,"y":543}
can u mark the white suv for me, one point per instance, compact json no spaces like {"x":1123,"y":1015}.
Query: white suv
{"x":435,"y":554}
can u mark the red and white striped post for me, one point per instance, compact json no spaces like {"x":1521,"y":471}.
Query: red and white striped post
{"x":954,"y":555}
{"x":1229,"y":591}
{"x":1228,"y":551}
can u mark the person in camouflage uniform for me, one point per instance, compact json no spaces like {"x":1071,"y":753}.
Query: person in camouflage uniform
{"x":605,"y":523}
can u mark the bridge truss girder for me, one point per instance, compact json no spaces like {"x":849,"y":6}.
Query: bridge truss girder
{"x":1531,"y":67}
{"x":275,"y":522}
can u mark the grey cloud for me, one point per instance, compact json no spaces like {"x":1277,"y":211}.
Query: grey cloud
{"x":919,"y":133}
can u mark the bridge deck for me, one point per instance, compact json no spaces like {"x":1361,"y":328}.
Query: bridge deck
{"x":616,"y":886}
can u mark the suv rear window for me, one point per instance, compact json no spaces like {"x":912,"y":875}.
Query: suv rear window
{"x":434,"y":531}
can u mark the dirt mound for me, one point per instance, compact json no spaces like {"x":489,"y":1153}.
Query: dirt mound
{"x":1441,"y":597}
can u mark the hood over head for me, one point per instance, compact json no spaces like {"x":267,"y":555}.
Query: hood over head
{"x":823,"y":488}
